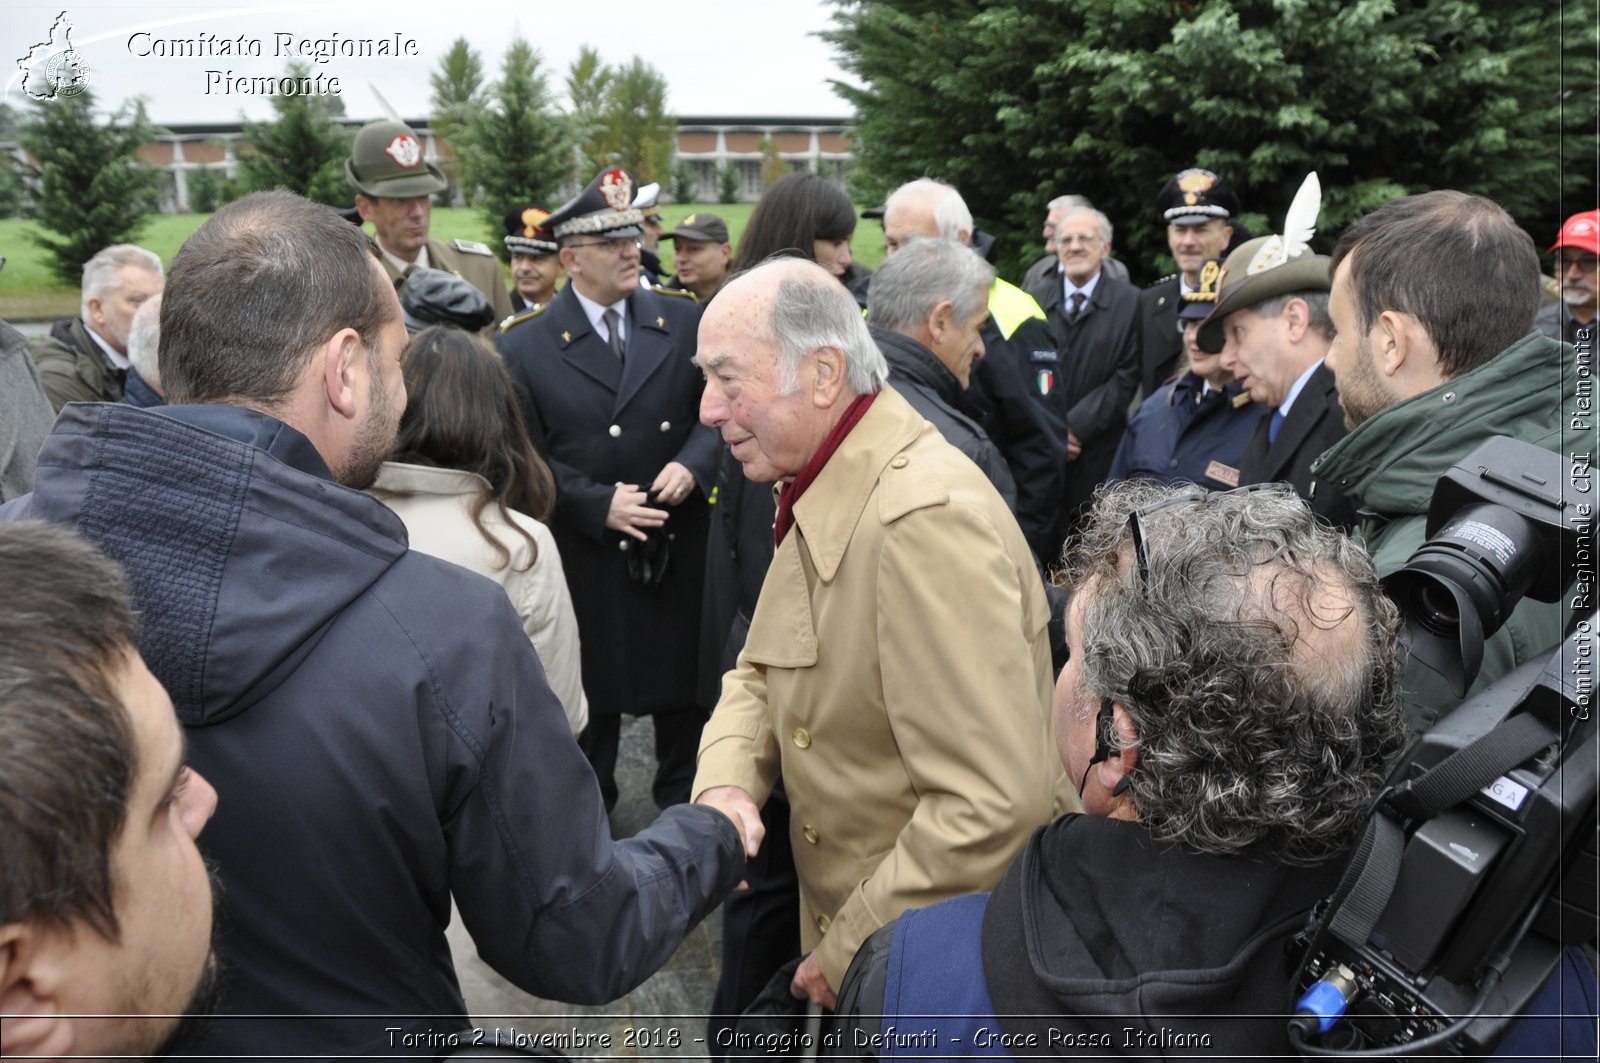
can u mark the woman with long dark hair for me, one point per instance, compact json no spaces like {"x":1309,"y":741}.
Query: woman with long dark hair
{"x":802,"y":213}
{"x":472,"y":490}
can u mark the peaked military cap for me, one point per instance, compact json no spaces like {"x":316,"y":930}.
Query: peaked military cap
{"x":1197,"y":305}
{"x":648,"y":200}
{"x":438,"y":297}
{"x":386,"y":160}
{"x":605,"y":208}
{"x":1195,"y":196}
{"x":700,"y":226}
{"x":527,"y":232}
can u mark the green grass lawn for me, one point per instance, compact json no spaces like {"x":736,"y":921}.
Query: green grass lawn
{"x":29,"y":291}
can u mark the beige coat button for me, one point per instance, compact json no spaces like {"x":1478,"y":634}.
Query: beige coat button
{"x":802,"y":738}
{"x":823,"y":923}
{"x":810,"y":834}
{"x":666,"y":426}
{"x":899,"y":463}
{"x":615,"y":430}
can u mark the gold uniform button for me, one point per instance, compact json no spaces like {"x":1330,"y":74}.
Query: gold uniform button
{"x":615,"y":430}
{"x":899,"y":463}
{"x":802,"y":738}
{"x":823,"y":923}
{"x":810,"y":834}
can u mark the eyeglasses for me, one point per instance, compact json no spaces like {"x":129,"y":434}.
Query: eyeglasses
{"x":1585,"y":262}
{"x":1198,"y":496}
{"x":615,"y":246}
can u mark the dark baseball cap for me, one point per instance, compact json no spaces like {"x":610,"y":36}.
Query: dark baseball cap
{"x":700,"y":226}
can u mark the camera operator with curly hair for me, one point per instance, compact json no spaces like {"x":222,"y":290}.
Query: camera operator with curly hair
{"x":1227,"y":711}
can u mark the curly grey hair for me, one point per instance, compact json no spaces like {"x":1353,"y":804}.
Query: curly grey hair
{"x":1257,"y":660}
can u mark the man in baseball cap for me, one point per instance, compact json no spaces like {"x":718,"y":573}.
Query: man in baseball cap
{"x":1577,"y":251}
{"x":394,"y":186}
{"x":701,"y":253}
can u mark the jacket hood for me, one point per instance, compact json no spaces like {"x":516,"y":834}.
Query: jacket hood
{"x":239,"y":562}
{"x":1392,"y":462}
{"x":1105,"y":924}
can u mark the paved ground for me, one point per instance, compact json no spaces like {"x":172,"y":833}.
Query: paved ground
{"x":664,"y":1018}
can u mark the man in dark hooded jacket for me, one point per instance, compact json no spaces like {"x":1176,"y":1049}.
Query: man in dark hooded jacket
{"x":378,"y":726}
{"x":1140,"y":926}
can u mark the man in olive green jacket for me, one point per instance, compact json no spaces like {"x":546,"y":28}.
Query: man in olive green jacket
{"x":1433,"y":298}
{"x":85,"y":359}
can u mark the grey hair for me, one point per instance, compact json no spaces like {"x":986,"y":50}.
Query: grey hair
{"x":950,"y":213}
{"x":1265,"y":711}
{"x":100,"y":272}
{"x":1102,"y":222}
{"x":1316,"y":309}
{"x":810,"y":309}
{"x":1068,"y":202}
{"x":144,"y":337}
{"x":921,"y":275}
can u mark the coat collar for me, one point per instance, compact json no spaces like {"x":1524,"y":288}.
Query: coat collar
{"x":650,"y":342}
{"x":920,"y":365}
{"x":827,"y":514}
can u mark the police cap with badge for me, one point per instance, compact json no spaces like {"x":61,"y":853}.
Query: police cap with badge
{"x":1195,"y":196}
{"x":604,"y":209}
{"x":528,"y":232}
{"x":1270,"y":266}
{"x":386,"y":161}
{"x":1198,"y":304}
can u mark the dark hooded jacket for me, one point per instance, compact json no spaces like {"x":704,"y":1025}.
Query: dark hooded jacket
{"x":380,"y":735}
{"x":1098,"y":941}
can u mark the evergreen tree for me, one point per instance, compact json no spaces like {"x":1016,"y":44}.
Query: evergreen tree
{"x":519,"y":148}
{"x":205,"y":190}
{"x":728,"y":182}
{"x":13,"y":192}
{"x":93,"y":191}
{"x":588,"y":85}
{"x":457,"y":93}
{"x":303,"y":149}
{"x":772,"y":164}
{"x":1016,"y":101}
{"x":685,"y":182}
{"x":642,"y":133}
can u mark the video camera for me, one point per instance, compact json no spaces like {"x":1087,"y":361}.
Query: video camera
{"x":1479,"y":864}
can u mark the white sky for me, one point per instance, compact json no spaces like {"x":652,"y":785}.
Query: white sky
{"x":720,"y":57}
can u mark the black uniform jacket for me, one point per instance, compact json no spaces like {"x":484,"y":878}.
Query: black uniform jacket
{"x":607,"y":423}
{"x":1314,"y":423}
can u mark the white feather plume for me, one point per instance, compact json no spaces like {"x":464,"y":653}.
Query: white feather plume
{"x":1299,"y":226}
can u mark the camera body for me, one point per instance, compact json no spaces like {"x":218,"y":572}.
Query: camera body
{"x":1479,"y":868}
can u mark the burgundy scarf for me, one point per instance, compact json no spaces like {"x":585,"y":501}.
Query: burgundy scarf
{"x":791,"y":492}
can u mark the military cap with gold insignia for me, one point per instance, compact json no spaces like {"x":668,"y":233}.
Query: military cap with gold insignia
{"x":527,"y":232}
{"x":1197,"y":305}
{"x":1270,"y":266}
{"x":605,"y":208}
{"x":386,"y":160}
{"x":702,"y":226}
{"x":1195,"y":196}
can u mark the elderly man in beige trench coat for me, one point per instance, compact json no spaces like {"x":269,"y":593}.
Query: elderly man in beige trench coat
{"x":897,"y":669}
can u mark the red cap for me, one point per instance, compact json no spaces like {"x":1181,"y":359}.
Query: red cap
{"x":1580,"y":231}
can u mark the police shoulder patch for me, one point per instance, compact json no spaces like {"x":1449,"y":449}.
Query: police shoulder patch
{"x":471,"y":247}
{"x":527,"y":315}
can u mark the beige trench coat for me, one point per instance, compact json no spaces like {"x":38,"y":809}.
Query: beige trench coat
{"x":898,"y":672}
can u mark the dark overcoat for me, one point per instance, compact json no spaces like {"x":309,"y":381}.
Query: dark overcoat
{"x":1160,"y":342}
{"x":605,"y":424}
{"x":1314,"y":423}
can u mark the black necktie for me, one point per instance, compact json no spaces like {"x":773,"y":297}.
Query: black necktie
{"x":613,"y":322}
{"x":1077,"y":306}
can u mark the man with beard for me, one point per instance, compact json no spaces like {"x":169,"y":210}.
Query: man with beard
{"x":85,"y":359}
{"x":375,"y":720}
{"x":105,"y":908}
{"x":1577,"y":251}
{"x":1433,"y":302}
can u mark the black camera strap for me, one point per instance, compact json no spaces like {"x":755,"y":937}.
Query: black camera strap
{"x":1369,"y":881}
